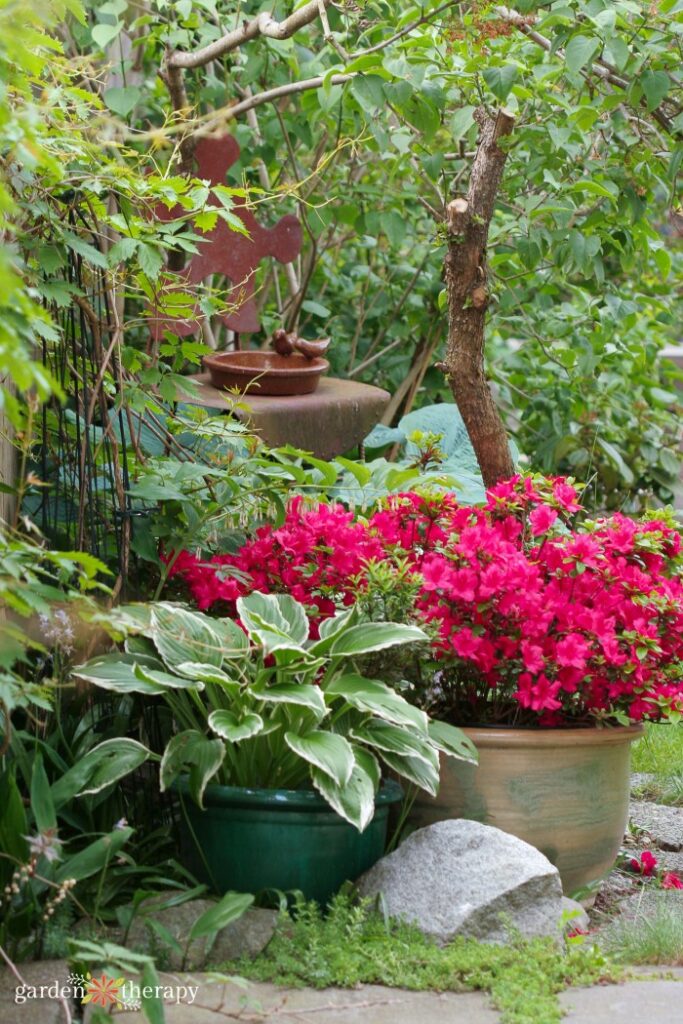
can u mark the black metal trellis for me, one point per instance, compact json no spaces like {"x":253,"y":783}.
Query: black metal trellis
{"x":84,"y":450}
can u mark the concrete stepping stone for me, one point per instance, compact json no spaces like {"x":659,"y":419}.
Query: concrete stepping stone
{"x":217,"y":1003}
{"x":635,"y":1002}
{"x":35,"y":1009}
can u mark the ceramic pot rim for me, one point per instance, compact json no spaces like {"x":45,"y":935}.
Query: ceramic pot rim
{"x":279,"y":799}
{"x":591,"y":736}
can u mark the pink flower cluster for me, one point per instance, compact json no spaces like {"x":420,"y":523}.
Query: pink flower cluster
{"x":564,"y":624}
{"x":646,"y":867}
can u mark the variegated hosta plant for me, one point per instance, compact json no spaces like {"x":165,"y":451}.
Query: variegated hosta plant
{"x":269,"y":707}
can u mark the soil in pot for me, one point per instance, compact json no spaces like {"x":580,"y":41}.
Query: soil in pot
{"x":249,"y":840}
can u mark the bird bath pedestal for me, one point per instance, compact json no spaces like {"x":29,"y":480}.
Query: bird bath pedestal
{"x":330,"y":421}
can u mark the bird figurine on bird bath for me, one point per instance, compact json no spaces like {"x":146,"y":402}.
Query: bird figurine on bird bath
{"x":293,"y":367}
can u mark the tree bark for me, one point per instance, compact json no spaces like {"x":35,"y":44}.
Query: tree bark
{"x":468,"y":222}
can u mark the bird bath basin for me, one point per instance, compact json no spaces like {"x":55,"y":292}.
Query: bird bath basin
{"x":266,"y":373}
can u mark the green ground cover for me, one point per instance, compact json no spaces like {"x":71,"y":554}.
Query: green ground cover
{"x":355,"y":945}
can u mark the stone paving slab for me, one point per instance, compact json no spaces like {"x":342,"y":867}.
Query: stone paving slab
{"x":47,"y":1010}
{"x":635,"y":1002}
{"x":664,"y":823}
{"x":370,"y":1004}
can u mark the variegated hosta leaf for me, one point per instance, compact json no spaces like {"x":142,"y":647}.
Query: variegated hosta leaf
{"x":396,"y":740}
{"x":117,"y":672}
{"x":302,"y":694}
{"x":374,"y":636}
{"x":180,"y":636}
{"x":191,"y":752}
{"x":415,"y":770}
{"x":165,"y":679}
{"x":379,"y":699}
{"x":355,"y":801}
{"x":230,"y":727}
{"x":333,"y":627}
{"x":452,"y":741}
{"x":275,"y":621}
{"x":328,"y":751}
{"x":207,"y":674}
{"x":108,"y":762}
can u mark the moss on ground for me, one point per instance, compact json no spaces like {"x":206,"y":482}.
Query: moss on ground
{"x":355,"y":945}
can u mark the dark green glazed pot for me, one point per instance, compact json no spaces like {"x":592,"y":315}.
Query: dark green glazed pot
{"x":252,"y":839}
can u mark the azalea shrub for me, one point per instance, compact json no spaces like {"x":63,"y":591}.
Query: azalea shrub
{"x":535,"y":615}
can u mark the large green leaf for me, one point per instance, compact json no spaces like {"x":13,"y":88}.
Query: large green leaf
{"x":167,"y":679}
{"x":190,"y":751}
{"x":106,"y":763}
{"x":13,"y":825}
{"x":452,"y":741}
{"x":354,"y":801}
{"x":327,"y":751}
{"x":378,"y":699}
{"x":303,"y":694}
{"x":331,"y":628}
{"x":118,"y":672}
{"x":415,"y":770}
{"x":579,"y":51}
{"x":42,"y":802}
{"x":234,"y":641}
{"x":395,"y":740}
{"x":201,"y":673}
{"x":228,"y":909}
{"x":94,"y":857}
{"x":374,"y":636}
{"x":230,"y":727}
{"x":275,"y":621}
{"x":181,"y":636}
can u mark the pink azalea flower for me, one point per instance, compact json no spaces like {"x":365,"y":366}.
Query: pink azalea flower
{"x":542,"y":518}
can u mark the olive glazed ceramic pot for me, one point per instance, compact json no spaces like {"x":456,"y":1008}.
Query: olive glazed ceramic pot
{"x":564,"y":791}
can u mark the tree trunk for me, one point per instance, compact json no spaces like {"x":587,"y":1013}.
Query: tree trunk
{"x":468,"y":297}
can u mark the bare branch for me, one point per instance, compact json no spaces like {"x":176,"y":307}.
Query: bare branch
{"x":406,"y":30}
{"x":232,"y":111}
{"x":262,"y":25}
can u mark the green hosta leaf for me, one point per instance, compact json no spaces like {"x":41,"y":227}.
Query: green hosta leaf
{"x":374,"y":636}
{"x":230,"y":727}
{"x":655,"y":86}
{"x":206,"y":674}
{"x":369,"y":764}
{"x":234,"y":641}
{"x":165,"y":679}
{"x":375,"y":697}
{"x":579,"y":51}
{"x":117,"y":672}
{"x":501,"y":80}
{"x":415,"y":770}
{"x":333,"y":627}
{"x":276,"y":621}
{"x":329,"y":752}
{"x":395,"y":740}
{"x":42,"y":802}
{"x":355,"y":801}
{"x":100,"y":767}
{"x":452,"y":741}
{"x":94,"y":857}
{"x":193,"y":752}
{"x":303,"y":694}
{"x":181,"y":635}
{"x":228,"y":909}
